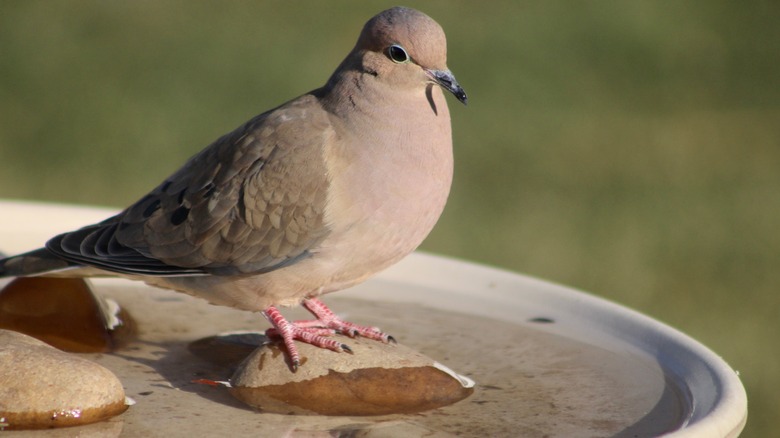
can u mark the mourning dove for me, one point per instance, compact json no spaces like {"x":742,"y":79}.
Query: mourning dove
{"x":311,"y":197}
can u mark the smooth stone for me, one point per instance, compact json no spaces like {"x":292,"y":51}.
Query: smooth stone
{"x":42,"y":387}
{"x":378,"y":379}
{"x":64,"y":313}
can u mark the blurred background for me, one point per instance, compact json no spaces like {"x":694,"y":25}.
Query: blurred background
{"x":629,"y":149}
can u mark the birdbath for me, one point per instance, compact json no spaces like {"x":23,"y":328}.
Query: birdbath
{"x":547,"y":360}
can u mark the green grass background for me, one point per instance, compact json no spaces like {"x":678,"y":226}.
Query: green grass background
{"x":630,"y":149}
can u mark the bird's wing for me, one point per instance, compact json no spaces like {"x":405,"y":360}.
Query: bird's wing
{"x":251,"y":202}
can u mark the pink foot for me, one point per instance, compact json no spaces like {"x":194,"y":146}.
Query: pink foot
{"x":315,"y":332}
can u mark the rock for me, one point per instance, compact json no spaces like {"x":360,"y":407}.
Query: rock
{"x":378,"y":379}
{"x":64,"y":313}
{"x":42,"y":387}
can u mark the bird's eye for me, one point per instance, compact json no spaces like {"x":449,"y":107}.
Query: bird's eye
{"x":397,"y":54}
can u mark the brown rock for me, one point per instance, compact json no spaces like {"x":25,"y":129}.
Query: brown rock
{"x":64,"y":313}
{"x":42,"y":387}
{"x":377,"y":379}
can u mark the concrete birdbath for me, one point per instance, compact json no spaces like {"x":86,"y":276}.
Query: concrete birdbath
{"x":547,"y":360}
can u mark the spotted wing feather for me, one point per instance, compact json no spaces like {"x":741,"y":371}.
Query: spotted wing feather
{"x":243,"y":205}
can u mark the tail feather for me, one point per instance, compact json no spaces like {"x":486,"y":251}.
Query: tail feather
{"x":34,"y":262}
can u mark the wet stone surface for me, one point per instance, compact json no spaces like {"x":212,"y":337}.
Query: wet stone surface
{"x":378,"y":379}
{"x":42,"y":387}
{"x":64,"y":313}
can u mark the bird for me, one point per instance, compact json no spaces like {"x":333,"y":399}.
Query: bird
{"x":311,"y":197}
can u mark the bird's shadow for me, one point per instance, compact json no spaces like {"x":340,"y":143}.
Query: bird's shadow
{"x":201,"y":367}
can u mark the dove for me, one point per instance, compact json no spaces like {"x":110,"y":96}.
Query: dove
{"x":311,"y":197}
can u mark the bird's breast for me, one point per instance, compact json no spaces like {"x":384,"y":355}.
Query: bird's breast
{"x":388,"y":186}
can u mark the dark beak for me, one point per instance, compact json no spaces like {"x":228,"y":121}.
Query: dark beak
{"x":446,"y":80}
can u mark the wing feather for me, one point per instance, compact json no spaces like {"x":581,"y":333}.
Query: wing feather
{"x":251,"y":202}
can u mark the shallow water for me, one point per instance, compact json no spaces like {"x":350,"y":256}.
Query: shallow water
{"x":530,"y":381}
{"x":533,"y":382}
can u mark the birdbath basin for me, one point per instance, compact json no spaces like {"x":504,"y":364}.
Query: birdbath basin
{"x":547,"y":360}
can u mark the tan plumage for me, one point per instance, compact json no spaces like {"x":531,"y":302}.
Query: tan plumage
{"x":308,"y":198}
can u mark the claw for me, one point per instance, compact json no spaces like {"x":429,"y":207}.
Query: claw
{"x":351,"y":333}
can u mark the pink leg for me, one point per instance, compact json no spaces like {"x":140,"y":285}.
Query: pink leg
{"x":314,"y":332}
{"x":289,"y":331}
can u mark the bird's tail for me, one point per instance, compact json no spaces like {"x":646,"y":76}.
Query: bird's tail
{"x":34,"y":262}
